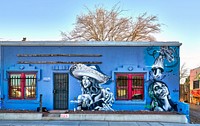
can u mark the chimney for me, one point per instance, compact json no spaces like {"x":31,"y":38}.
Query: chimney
{"x":24,"y":39}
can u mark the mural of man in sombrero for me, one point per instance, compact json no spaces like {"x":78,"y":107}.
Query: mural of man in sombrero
{"x":93,"y":96}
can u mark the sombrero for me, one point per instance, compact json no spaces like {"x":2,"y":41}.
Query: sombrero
{"x":80,"y":70}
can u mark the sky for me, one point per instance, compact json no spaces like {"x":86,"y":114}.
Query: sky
{"x":45,"y":19}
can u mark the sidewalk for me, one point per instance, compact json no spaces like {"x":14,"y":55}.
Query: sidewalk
{"x":195,"y":113}
{"x":88,"y":123}
{"x":169,"y":118}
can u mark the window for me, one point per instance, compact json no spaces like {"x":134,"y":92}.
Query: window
{"x":130,"y":86}
{"x":22,"y":86}
{"x":196,"y":84}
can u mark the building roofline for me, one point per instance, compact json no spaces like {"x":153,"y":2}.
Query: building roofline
{"x":86,"y":43}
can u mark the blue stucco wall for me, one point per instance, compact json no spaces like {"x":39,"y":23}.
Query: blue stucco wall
{"x":1,"y":87}
{"x":114,"y":59}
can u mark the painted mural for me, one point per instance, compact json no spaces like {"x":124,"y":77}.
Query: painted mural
{"x":93,"y":96}
{"x":161,"y":100}
{"x":158,"y":90}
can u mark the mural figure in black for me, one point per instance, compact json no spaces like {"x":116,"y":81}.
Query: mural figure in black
{"x":93,"y":96}
{"x":158,"y":90}
{"x":161,"y":100}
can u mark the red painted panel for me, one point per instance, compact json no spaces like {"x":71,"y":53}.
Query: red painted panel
{"x":22,"y":82}
{"x":196,"y":93}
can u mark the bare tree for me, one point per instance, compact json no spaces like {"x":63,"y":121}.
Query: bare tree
{"x":109,"y":25}
{"x":183,"y":71}
{"x":187,"y":80}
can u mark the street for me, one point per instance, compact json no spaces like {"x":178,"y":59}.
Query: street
{"x":88,"y":123}
{"x":194,"y":114}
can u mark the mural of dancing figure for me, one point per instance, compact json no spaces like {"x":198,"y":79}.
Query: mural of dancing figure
{"x":161,"y":100}
{"x":93,"y":96}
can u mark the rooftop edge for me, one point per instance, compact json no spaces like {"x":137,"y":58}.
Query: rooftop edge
{"x":87,"y":43}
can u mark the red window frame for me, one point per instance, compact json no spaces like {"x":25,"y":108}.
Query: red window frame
{"x":21,"y":85}
{"x":129,"y":86}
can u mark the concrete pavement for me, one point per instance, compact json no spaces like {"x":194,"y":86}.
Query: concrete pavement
{"x":88,"y":123}
{"x":57,"y":118}
{"x":170,"y":118}
{"x":195,"y":113}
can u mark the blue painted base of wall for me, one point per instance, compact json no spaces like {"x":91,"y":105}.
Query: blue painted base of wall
{"x":0,"y":104}
{"x":184,"y":108}
{"x":21,"y":105}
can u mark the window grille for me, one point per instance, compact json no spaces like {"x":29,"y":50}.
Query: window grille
{"x":196,"y":84}
{"x":130,"y":86}
{"x":22,"y":86}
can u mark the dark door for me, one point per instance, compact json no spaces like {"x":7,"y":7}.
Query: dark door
{"x":60,"y":91}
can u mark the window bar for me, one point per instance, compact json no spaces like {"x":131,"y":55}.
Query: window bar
{"x":31,"y":86}
{"x":11,"y":86}
{"x":122,"y":91}
{"x":17,"y":85}
{"x":23,"y":82}
{"x":28,"y":87}
{"x":121,"y":88}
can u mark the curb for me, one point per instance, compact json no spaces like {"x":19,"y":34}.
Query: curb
{"x":20,"y":116}
{"x":97,"y":117}
{"x":121,"y":117}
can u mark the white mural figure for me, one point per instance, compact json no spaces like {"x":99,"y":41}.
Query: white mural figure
{"x":93,"y":96}
{"x":158,"y":66}
{"x":161,"y":100}
{"x":158,"y":90}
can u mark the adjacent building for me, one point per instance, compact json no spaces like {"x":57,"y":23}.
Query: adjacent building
{"x":194,"y":85}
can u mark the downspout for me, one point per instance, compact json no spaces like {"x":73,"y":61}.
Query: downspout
{"x":2,"y":95}
{"x":1,"y":82}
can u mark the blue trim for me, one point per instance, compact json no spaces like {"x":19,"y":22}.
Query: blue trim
{"x":23,"y":101}
{"x":131,"y":69}
{"x":130,"y":102}
{"x":22,"y":68}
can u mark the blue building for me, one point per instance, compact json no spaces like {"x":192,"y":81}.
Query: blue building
{"x":90,"y":75}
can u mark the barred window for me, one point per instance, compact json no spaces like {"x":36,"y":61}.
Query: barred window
{"x":22,"y":86}
{"x":130,"y":86}
{"x":196,"y":84}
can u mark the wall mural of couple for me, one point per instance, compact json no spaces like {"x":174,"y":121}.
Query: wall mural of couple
{"x":94,"y":97}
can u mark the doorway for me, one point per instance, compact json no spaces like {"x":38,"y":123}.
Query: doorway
{"x":61,"y":91}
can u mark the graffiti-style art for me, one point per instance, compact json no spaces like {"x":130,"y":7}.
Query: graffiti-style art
{"x":165,"y":54}
{"x":93,"y":96}
{"x":161,"y":100}
{"x":158,"y":90}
